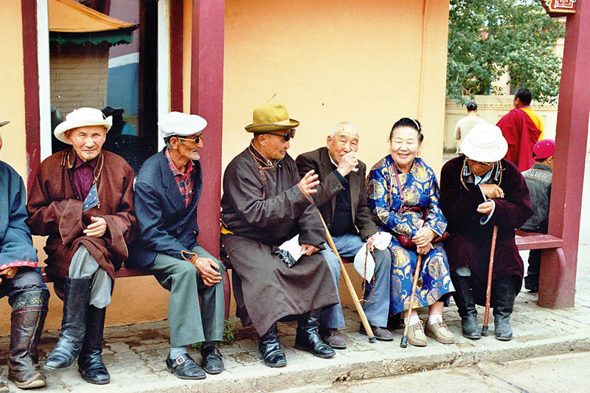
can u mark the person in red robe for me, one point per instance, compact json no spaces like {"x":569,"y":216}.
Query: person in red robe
{"x":520,"y":131}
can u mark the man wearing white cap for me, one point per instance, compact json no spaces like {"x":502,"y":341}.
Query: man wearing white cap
{"x":82,"y":198}
{"x":167,"y":190}
{"x":20,"y":281}
{"x":480,"y":190}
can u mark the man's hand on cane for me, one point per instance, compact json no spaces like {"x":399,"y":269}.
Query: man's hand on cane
{"x":208,"y":270}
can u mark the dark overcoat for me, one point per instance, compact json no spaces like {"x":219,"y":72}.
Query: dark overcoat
{"x":262,"y":207}
{"x":330,"y":186}
{"x":470,"y":242}
{"x":166,"y":226}
{"x":55,"y":211}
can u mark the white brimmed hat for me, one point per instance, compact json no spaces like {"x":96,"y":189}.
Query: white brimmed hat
{"x":80,"y":118}
{"x":181,"y":124}
{"x":484,"y":143}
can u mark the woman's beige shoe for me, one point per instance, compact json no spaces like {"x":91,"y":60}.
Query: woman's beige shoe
{"x":440,"y":332}
{"x":416,"y":335}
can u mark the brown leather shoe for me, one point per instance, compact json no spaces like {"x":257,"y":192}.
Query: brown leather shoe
{"x":381,"y":334}
{"x":333,"y":338}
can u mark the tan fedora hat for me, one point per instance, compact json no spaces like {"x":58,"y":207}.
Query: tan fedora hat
{"x":3,"y":123}
{"x":80,"y":118}
{"x":271,"y":117}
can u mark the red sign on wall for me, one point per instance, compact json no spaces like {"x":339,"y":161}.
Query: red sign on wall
{"x":557,"y":8}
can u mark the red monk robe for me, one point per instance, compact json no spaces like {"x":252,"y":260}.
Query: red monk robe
{"x":521,"y":133}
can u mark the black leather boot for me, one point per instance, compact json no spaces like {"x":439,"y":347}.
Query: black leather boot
{"x":73,"y":324}
{"x":503,"y":294}
{"x":28,"y":317}
{"x":308,"y":338}
{"x":270,"y":350}
{"x":465,"y":302}
{"x":90,"y":362}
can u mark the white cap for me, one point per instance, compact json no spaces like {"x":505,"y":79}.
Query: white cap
{"x":80,"y":118}
{"x":484,"y":143}
{"x":181,"y":124}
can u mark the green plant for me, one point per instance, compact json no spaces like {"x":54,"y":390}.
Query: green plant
{"x":229,"y":332}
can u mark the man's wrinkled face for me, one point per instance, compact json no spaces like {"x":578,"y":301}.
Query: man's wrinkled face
{"x":188,"y":146}
{"x":87,"y":141}
{"x":344,"y":141}
{"x":479,"y":168}
{"x":274,"y":146}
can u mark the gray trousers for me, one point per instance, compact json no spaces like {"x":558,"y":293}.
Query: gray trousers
{"x":189,"y":323}
{"x":83,"y":265}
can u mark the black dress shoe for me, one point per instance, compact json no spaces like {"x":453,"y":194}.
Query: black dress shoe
{"x":380,"y":333}
{"x":269,"y":349}
{"x":184,"y":367}
{"x":212,"y":363}
{"x":308,"y":338}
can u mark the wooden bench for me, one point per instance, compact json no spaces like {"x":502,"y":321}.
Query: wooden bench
{"x":536,"y":241}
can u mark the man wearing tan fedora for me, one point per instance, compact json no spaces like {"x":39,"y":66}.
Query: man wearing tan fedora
{"x":265,"y":203}
{"x":21,"y":281}
{"x":82,"y":198}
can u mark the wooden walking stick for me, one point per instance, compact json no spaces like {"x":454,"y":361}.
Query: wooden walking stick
{"x":404,"y":342}
{"x":349,"y":285}
{"x":486,"y":317}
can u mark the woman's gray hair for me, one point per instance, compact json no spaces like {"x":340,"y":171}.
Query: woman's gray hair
{"x":343,"y":125}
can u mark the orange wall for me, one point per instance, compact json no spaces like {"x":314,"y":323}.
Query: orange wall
{"x":333,"y":61}
{"x":365,"y":62}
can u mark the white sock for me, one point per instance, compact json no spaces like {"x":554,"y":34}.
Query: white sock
{"x":414,"y":319}
{"x":434,"y":318}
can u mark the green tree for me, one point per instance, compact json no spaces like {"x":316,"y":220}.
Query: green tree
{"x":489,"y":38}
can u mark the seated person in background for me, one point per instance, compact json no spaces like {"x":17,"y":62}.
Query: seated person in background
{"x":342,"y":199}
{"x":167,"y":194}
{"x":21,"y":281}
{"x":478,"y":191}
{"x":538,"y":180}
{"x":264,"y":204}
{"x":82,"y":198}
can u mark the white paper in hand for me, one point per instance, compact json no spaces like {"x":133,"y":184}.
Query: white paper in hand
{"x":293,"y":248}
{"x":359,"y":263}
{"x":382,"y":240}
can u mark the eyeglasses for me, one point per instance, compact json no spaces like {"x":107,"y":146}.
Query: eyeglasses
{"x":196,"y":139}
{"x":471,"y":162}
{"x":287,"y":135}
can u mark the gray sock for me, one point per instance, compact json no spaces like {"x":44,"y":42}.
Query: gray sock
{"x":177,"y":351}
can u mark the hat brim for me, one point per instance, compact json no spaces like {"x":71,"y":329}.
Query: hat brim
{"x":3,"y":123}
{"x":272,"y":127}
{"x":485,"y":155}
{"x":62,"y":127}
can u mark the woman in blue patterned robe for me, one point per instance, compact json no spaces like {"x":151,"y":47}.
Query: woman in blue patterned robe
{"x":400,"y":214}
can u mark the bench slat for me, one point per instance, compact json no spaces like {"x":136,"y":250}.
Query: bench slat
{"x":538,"y":242}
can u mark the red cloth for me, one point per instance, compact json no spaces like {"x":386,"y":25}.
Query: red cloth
{"x":521,"y":133}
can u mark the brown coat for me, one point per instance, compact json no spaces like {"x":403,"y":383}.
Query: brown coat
{"x":263,"y":207}
{"x":55,"y":211}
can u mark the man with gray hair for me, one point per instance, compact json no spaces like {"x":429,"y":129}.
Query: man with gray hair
{"x":167,"y":193}
{"x":342,"y":199}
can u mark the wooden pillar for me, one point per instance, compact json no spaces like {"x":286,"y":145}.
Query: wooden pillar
{"x":31,"y":72}
{"x":558,"y":268}
{"x":208,"y":18}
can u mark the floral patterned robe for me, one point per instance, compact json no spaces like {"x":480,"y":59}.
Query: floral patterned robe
{"x":419,"y":188}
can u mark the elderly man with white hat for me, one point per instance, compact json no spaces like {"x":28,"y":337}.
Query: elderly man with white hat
{"x":480,"y":190}
{"x":20,"y":281}
{"x":167,"y":190}
{"x":82,"y":199}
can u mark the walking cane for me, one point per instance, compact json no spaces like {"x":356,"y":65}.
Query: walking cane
{"x":486,"y":317}
{"x":404,"y":342}
{"x":349,"y":285}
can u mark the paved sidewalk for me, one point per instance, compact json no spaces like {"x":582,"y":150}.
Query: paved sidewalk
{"x":135,"y":354}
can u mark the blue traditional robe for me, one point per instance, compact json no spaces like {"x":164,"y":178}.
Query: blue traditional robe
{"x":419,"y":188}
{"x":16,"y":247}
